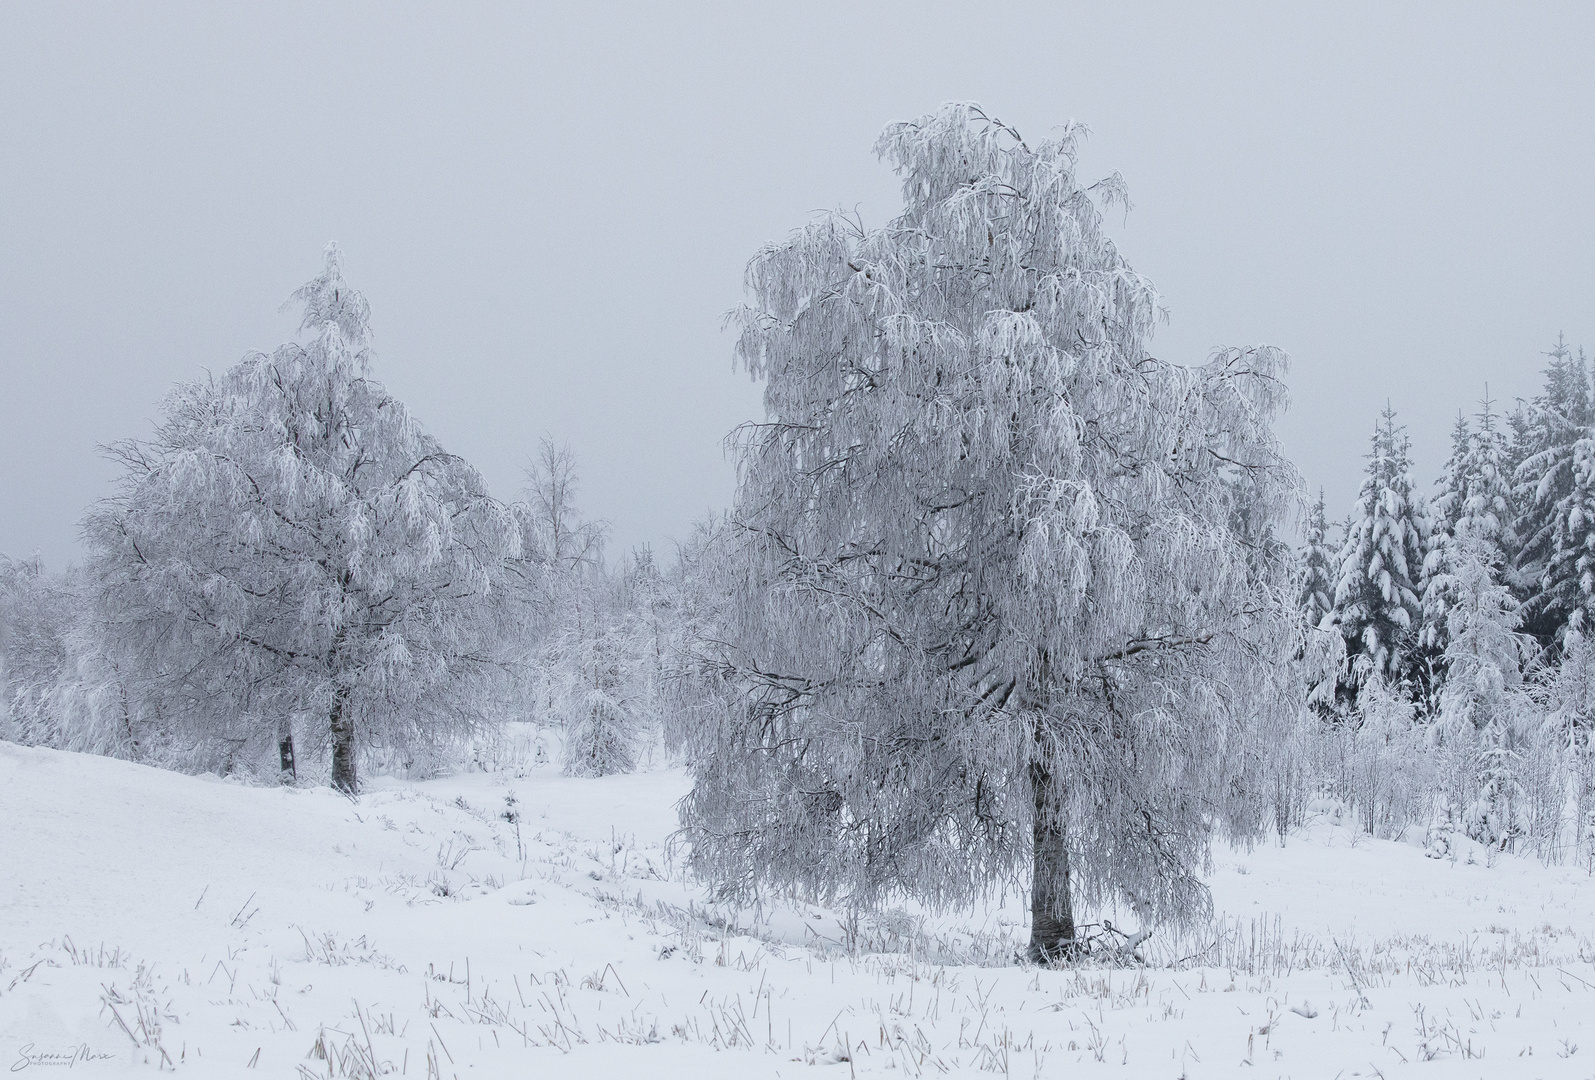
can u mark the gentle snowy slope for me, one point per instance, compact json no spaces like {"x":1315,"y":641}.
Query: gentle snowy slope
{"x":149,"y":918}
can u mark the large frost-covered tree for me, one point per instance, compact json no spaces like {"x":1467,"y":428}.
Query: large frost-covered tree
{"x":292,"y":549}
{"x":1002,"y":589}
{"x":1378,"y":604}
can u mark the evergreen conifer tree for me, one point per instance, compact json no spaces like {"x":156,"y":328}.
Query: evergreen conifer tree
{"x":1377,"y":601}
{"x":1474,"y":504}
{"x":1318,"y":564}
{"x":1487,"y":512}
{"x":1567,"y":586}
{"x":1444,"y":510}
{"x":1549,"y":532}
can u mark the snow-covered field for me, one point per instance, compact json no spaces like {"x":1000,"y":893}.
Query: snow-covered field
{"x":152,"y":920}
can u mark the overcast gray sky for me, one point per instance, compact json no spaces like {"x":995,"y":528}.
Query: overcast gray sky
{"x":550,"y":205}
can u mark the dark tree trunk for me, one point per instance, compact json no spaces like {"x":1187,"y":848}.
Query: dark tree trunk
{"x":285,"y":751}
{"x":342,"y":728}
{"x":1051,"y":912}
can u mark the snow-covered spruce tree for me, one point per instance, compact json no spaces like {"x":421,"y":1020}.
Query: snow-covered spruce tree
{"x":1377,"y":599}
{"x":1473,"y":505}
{"x":1487,"y":513}
{"x":1484,"y":652}
{"x":1546,"y":431}
{"x":291,"y":549}
{"x":1444,"y":510}
{"x":1567,"y":585}
{"x":989,"y":608}
{"x":1318,"y":566}
{"x":1451,"y":490}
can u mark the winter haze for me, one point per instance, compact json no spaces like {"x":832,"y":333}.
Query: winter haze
{"x":550,"y":206}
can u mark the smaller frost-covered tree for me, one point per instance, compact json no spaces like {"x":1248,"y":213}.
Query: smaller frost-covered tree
{"x":1498,"y":816}
{"x":1377,"y":599}
{"x":1485,"y":653}
{"x":58,"y":687}
{"x":292,"y":551}
{"x":1387,"y":780}
{"x":561,"y":538}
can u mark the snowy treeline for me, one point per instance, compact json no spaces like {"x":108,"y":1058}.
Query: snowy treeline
{"x":1003,"y":600}
{"x":1464,"y":698}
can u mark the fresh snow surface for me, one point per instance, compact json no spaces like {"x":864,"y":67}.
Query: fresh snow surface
{"x":152,"y":920}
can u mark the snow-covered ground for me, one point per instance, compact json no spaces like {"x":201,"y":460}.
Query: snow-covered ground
{"x":149,"y":919}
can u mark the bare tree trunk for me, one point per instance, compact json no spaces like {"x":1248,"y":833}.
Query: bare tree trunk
{"x":342,"y":728}
{"x":1051,"y":911}
{"x":285,"y":750}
